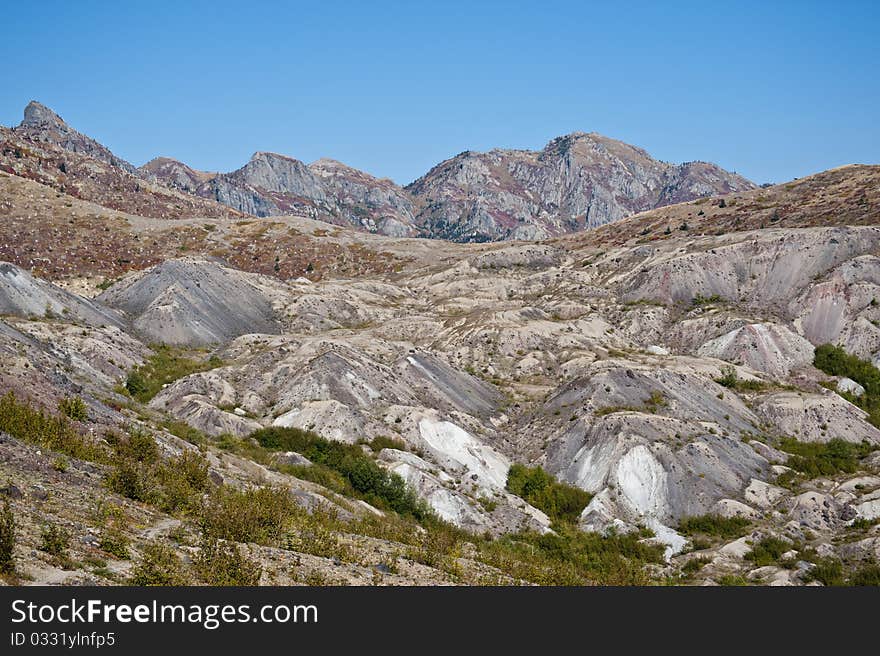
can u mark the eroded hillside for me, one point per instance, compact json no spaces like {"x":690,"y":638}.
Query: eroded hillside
{"x":367,"y":414}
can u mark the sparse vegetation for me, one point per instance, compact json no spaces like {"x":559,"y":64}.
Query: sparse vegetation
{"x":814,"y":459}
{"x":699,"y":299}
{"x":222,"y":563}
{"x":52,"y":432}
{"x":384,"y":442}
{"x":652,"y":405}
{"x":255,"y":515}
{"x":867,"y":574}
{"x":362,"y":474}
{"x":159,"y":566}
{"x":139,"y":473}
{"x":730,"y":379}
{"x":54,"y":540}
{"x":7,"y":539}
{"x":166,"y":365}
{"x":561,"y":502}
{"x":834,"y":361}
{"x":74,"y":408}
{"x":572,"y":557}
{"x":768,"y":551}
{"x":714,"y":526}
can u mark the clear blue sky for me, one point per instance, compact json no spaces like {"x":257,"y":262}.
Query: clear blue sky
{"x":773,"y":90}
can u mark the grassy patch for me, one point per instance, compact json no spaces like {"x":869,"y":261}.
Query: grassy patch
{"x":814,"y":459}
{"x":52,"y":432}
{"x":572,"y":557}
{"x":159,"y":565}
{"x":768,"y":551}
{"x":364,"y":476}
{"x":166,"y":365}
{"x":561,"y":502}
{"x":7,"y":539}
{"x":867,"y":574}
{"x":652,"y":405}
{"x":222,"y":563}
{"x":172,"y":485}
{"x":714,"y":526}
{"x":256,"y":515}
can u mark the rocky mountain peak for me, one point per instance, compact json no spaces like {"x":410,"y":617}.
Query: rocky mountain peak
{"x":37,"y":114}
{"x":42,"y":124}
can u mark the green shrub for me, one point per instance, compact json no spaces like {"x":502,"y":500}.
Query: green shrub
{"x":114,"y":542}
{"x":768,"y":551}
{"x":814,"y":459}
{"x":733,"y":580}
{"x":74,"y":408}
{"x":730,"y":379}
{"x":694,"y":565}
{"x":159,"y":565}
{"x":699,"y":299}
{"x":370,"y":481}
{"x":222,"y":563}
{"x":164,"y":366}
{"x":256,"y":515}
{"x":140,"y":474}
{"x":834,"y":361}
{"x":54,"y":433}
{"x":868,"y":574}
{"x":7,"y":539}
{"x":828,"y":571}
{"x":181,"y":481}
{"x":714,"y":525}
{"x":383,"y":442}
{"x":54,"y":540}
{"x":572,"y":557}
{"x":561,"y":502}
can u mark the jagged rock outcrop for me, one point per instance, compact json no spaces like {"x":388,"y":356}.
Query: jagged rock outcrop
{"x":577,"y":181}
{"x":362,"y":200}
{"x":42,"y":124}
{"x":270,"y":184}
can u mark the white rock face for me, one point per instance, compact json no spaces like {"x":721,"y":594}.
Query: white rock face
{"x":734,"y":508}
{"x":641,"y":480}
{"x":653,"y":349}
{"x":849,"y":386}
{"x":455,"y":445}
{"x":762,"y":494}
{"x":869,"y":505}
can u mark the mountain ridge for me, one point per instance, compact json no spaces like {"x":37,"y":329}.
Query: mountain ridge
{"x":577,"y":181}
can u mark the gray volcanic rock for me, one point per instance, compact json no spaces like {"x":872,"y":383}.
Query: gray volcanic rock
{"x":193,"y":302}
{"x":23,"y":295}
{"x":817,"y":418}
{"x":769,"y":269}
{"x":373,"y":204}
{"x":578,"y":180}
{"x":270,"y":184}
{"x":173,"y":173}
{"x":766,"y":347}
{"x":42,"y":124}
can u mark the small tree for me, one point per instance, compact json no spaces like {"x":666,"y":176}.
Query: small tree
{"x":7,"y":539}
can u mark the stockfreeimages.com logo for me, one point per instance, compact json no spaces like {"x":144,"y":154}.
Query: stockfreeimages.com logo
{"x":209,"y":616}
